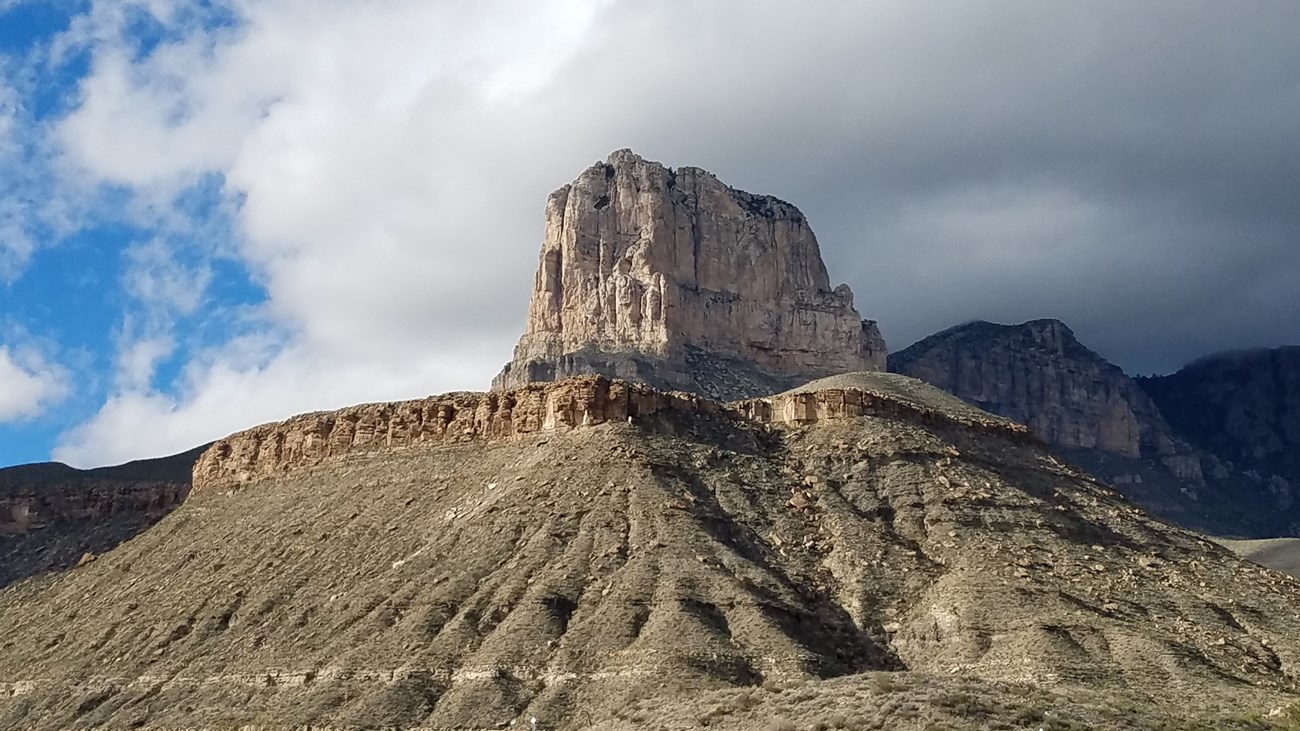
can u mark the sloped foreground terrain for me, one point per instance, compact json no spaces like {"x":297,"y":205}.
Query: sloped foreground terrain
{"x":601,"y":556}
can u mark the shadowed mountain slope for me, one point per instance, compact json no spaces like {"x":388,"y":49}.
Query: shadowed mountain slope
{"x":1243,"y":410}
{"x":53,"y":515}
{"x":1186,"y":468}
{"x":595,"y":553}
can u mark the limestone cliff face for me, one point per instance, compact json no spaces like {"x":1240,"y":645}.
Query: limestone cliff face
{"x":672,"y":278}
{"x":1039,"y":374}
{"x":315,"y":438}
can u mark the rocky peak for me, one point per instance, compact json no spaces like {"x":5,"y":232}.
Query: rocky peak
{"x":1039,"y":374}
{"x":673,"y":278}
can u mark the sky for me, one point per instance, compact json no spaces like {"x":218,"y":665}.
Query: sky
{"x":217,"y":214}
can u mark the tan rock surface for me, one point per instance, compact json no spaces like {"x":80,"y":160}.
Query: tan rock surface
{"x":352,"y":433}
{"x":673,"y":278}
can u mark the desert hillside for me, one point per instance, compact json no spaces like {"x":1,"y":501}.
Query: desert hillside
{"x":621,"y":557}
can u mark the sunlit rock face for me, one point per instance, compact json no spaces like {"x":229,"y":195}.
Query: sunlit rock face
{"x":672,"y":278}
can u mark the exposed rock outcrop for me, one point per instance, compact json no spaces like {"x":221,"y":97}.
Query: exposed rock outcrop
{"x":1039,"y":374}
{"x":672,"y":278}
{"x":1215,"y":446}
{"x":25,"y":511}
{"x":1088,"y":410}
{"x":311,"y":439}
{"x":351,"y":433}
{"x":1244,"y":409}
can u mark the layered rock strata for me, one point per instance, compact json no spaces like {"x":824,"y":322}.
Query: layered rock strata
{"x":592,"y":577}
{"x":312,"y":439}
{"x":672,"y":278}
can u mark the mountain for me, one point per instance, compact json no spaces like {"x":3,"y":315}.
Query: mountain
{"x":672,"y":278}
{"x":864,"y":550}
{"x":1243,"y":409}
{"x":1215,"y":447}
{"x":1086,"y":408}
{"x":53,"y":516}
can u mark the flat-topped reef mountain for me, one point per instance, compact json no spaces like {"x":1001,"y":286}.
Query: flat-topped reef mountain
{"x":865,"y":551}
{"x":672,"y":278}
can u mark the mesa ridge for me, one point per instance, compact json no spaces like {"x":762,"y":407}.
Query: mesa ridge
{"x":315,"y":438}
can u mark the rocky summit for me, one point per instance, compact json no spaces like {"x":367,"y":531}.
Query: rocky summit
{"x":863,"y":552}
{"x":672,"y":278}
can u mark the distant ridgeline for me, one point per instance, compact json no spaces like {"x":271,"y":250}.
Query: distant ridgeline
{"x":1215,"y":446}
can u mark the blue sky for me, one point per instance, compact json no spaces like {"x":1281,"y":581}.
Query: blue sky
{"x":216,"y":214}
{"x":69,"y":303}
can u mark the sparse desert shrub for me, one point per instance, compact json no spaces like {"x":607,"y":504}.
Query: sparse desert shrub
{"x":1026,"y":716}
{"x":883,"y":683}
{"x":962,"y":705}
{"x":746,"y":700}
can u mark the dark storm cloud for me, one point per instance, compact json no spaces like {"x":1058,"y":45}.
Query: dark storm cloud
{"x":1132,"y":169}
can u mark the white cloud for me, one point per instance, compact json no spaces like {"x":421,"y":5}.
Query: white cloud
{"x":358,"y":137}
{"x":29,"y":384}
{"x":137,"y":360}
{"x":240,"y":387}
{"x":155,"y":277}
